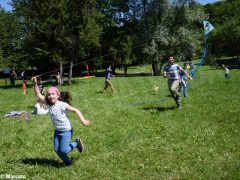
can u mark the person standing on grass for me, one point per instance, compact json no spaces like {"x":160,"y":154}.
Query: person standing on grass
{"x":40,"y":85}
{"x":226,"y":72}
{"x":59,"y":79}
{"x":191,"y":65}
{"x":58,"y":110}
{"x":23,"y":75}
{"x":108,"y":81}
{"x":24,"y":87}
{"x":13,"y":77}
{"x":171,"y":72}
{"x":183,"y":80}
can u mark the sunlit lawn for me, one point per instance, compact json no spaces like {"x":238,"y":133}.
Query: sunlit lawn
{"x":136,"y":132}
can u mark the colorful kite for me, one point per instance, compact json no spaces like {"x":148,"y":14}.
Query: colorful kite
{"x":208,"y":27}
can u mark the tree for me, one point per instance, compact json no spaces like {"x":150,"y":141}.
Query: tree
{"x":44,"y":24}
{"x":11,"y":40}
{"x":1,"y":59}
{"x":128,"y":56}
{"x":225,"y":16}
{"x":176,"y":31}
{"x":122,"y":31}
{"x":83,"y":30}
{"x":59,"y":31}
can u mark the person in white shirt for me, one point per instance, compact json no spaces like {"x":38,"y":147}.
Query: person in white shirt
{"x":58,"y":110}
{"x":40,"y":109}
{"x":226,"y":72}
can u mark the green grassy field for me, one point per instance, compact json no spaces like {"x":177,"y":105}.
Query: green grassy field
{"x":136,"y":132}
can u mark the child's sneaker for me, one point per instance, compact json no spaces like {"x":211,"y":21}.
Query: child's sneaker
{"x":179,"y":106}
{"x":79,"y":145}
{"x":68,"y":163}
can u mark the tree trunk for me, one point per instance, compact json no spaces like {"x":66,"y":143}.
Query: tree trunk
{"x":70,"y":73}
{"x":125,"y":69}
{"x":160,"y":68}
{"x":155,"y":68}
{"x":61,"y":72}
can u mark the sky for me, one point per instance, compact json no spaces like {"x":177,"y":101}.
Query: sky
{"x":7,"y":7}
{"x":207,"y":1}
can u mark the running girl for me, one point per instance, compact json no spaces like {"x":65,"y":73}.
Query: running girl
{"x":58,"y":110}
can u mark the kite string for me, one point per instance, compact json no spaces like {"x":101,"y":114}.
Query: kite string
{"x":202,"y":59}
{"x":93,"y":59}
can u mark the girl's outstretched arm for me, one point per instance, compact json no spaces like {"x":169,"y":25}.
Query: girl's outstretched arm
{"x":36,"y":90}
{"x":79,"y":114}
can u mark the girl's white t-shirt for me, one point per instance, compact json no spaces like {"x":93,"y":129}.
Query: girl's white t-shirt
{"x":59,"y":116}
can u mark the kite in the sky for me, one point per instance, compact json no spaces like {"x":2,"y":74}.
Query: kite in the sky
{"x":208,"y":27}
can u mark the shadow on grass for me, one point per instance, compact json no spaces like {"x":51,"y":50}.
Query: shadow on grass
{"x":99,"y":92}
{"x":161,"y":109}
{"x":151,"y":101}
{"x":227,"y":82}
{"x":11,"y":87}
{"x":42,"y":162}
{"x":133,"y":74}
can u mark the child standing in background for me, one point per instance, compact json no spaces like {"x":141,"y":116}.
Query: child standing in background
{"x":191,"y":65}
{"x":108,"y":81}
{"x":183,"y":79}
{"x":226,"y":71}
{"x":59,"y":79}
{"x":24,"y":87}
{"x":40,"y":85}
{"x":40,"y":109}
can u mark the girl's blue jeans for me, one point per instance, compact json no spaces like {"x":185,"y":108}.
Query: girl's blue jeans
{"x":62,"y":145}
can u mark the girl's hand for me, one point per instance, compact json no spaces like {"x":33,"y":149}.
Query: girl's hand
{"x":34,"y":79}
{"x":86,"y":123}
